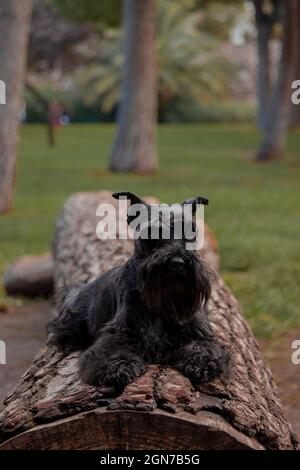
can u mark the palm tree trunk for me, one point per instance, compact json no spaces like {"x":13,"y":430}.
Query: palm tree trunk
{"x":14,"y":30}
{"x":295,"y":113}
{"x":274,"y":135}
{"x":134,"y":149}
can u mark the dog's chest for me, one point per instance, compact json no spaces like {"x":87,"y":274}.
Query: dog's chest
{"x":154,"y":340}
{"x":150,"y":336}
{"x":153,"y":335}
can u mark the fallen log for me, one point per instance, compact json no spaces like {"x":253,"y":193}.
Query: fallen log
{"x":30,"y":276}
{"x":51,"y":409}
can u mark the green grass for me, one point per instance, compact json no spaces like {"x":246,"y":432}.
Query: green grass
{"x":254,"y":209}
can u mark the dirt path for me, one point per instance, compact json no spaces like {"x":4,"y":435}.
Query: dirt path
{"x":23,"y":330}
{"x":286,"y":374}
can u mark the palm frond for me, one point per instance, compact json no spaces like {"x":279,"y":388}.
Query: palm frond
{"x":189,"y":61}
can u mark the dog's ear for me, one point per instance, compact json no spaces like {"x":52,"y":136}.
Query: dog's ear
{"x":133,"y":198}
{"x":195,"y":201}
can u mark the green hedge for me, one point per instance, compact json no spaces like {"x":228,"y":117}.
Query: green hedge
{"x":176,"y":111}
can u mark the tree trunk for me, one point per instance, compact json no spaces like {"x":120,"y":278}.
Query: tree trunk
{"x":134,"y":149}
{"x":295,"y":116}
{"x":274,"y":135}
{"x":295,"y":113}
{"x":14,"y":30}
{"x":264,"y":26}
{"x":52,"y":409}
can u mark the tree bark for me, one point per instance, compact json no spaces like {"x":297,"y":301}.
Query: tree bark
{"x":51,"y":409}
{"x":278,"y":118}
{"x":264,"y":25}
{"x":134,"y":149}
{"x":295,"y":113}
{"x":14,"y":30}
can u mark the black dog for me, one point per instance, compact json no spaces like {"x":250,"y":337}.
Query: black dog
{"x":149,"y":310}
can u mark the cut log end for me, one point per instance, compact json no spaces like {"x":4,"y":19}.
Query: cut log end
{"x":30,"y":276}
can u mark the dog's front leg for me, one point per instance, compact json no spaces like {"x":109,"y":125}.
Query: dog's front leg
{"x":203,"y":361}
{"x":110,"y":361}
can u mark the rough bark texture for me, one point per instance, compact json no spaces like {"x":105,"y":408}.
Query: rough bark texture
{"x":14,"y":31}
{"x":30,"y":276}
{"x":134,"y":148}
{"x":51,"y":408}
{"x":278,"y":118}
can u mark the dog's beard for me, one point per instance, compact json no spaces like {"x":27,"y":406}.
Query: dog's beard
{"x":174,"y":295}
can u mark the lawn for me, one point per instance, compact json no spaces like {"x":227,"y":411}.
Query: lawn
{"x":254,"y":209}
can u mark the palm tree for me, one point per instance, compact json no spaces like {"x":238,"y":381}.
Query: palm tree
{"x":189,"y":61}
{"x":188,"y":64}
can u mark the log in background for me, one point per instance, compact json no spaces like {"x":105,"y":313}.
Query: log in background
{"x":51,"y":409}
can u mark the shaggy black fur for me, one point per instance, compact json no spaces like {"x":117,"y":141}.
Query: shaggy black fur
{"x":149,"y":310}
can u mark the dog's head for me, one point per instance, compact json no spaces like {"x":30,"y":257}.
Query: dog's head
{"x":173,"y":281}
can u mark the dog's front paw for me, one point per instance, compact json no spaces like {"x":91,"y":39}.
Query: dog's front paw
{"x":202,"y":372}
{"x":117,"y":370}
{"x":123,"y":369}
{"x":201,"y":367}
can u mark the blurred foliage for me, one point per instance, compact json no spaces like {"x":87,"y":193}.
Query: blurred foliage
{"x":101,"y":12}
{"x":190,"y":63}
{"x":187,"y":110}
{"x":179,"y":109}
{"x":53,"y":39}
{"x":218,"y":16}
{"x":220,"y":13}
{"x":193,"y":76}
{"x":189,"y":37}
{"x":73,"y":103}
